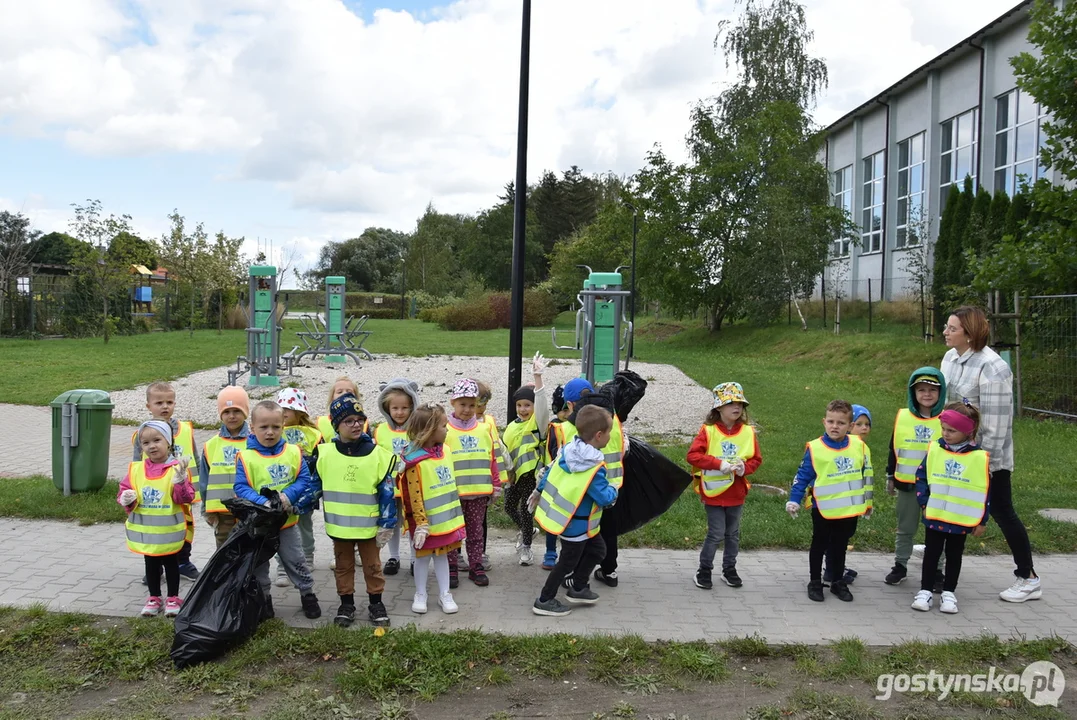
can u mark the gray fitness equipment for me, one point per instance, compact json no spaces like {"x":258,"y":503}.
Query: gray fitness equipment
{"x":602,"y":331}
{"x":263,"y":333}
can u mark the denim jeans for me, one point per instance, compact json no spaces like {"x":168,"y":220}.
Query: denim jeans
{"x":723,"y":525}
{"x":291,"y":556}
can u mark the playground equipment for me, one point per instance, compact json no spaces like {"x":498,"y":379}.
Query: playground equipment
{"x":602,"y":331}
{"x":263,"y":333}
{"x":333,"y":335}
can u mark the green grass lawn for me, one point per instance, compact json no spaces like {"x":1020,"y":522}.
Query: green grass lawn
{"x":788,"y":376}
{"x":36,"y":498}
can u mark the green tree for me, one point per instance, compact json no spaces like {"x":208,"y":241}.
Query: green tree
{"x":106,"y":277}
{"x":747,"y":222}
{"x":370,"y":262}
{"x":54,"y":248}
{"x":941,"y":277}
{"x":602,"y":245}
{"x":17,"y":241}
{"x":133,"y":250}
{"x":433,"y":257}
{"x":1000,"y":208}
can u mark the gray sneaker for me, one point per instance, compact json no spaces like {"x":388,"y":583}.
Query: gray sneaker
{"x":587,"y":596}
{"x":552,"y":608}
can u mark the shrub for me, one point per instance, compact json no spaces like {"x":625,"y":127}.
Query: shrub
{"x":491,"y":311}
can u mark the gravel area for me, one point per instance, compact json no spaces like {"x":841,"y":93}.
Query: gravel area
{"x":674,"y":405}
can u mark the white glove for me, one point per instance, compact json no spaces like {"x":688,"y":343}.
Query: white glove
{"x":211,"y":519}
{"x":792,"y":508}
{"x":420,"y":535}
{"x":539,"y":364}
{"x":890,"y":490}
{"x":383,"y":536}
{"x":128,"y":497}
{"x":738,"y":467}
{"x":533,"y":501}
{"x":725,"y":466}
{"x":179,"y":471}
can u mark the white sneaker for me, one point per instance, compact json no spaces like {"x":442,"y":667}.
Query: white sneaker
{"x":448,"y":604}
{"x":518,"y":540}
{"x":948,"y":604}
{"x":418,"y":604}
{"x":333,"y":562}
{"x":524,"y":555}
{"x":918,"y":550}
{"x":1022,"y":590}
{"x":486,"y":564}
{"x":922,"y":602}
{"x":282,"y":579}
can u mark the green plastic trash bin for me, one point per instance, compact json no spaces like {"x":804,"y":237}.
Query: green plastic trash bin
{"x":92,"y":434}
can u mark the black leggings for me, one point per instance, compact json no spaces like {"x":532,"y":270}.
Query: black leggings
{"x":516,"y":506}
{"x":1011,"y":526}
{"x":935,"y":543}
{"x":829,"y":538}
{"x":170,"y":564}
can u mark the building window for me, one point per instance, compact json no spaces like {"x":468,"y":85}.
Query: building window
{"x":871,"y":226}
{"x":1018,"y":139}
{"x":843,"y":199}
{"x":958,"y":156}
{"x":910,"y":203}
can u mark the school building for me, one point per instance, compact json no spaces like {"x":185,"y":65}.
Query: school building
{"x":893,"y":158}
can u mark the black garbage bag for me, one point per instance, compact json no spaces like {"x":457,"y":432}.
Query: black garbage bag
{"x":652,"y":483}
{"x":225,"y":605}
{"x":625,"y":390}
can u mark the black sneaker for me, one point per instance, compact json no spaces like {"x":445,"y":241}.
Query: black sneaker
{"x":552,"y":608}
{"x":826,"y":576}
{"x":587,"y":596}
{"x":567,"y":582}
{"x":610,"y":578}
{"x":311,"y":608}
{"x":267,"y":610}
{"x":842,"y":591}
{"x":454,"y":579}
{"x":411,"y":570}
{"x":345,"y":615}
{"x":940,"y":580}
{"x":378,"y":615}
{"x":703,"y":579}
{"x":850,"y":576}
{"x":897,"y":574}
{"x":392,"y":567}
{"x":731,"y":578}
{"x":189,"y":571}
{"x":815,"y":591}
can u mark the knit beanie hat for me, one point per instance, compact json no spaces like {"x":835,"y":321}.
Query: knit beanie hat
{"x":344,"y":407}
{"x":160,"y":426}
{"x":233,"y":397}
{"x":859,"y":410}
{"x":527,"y":392}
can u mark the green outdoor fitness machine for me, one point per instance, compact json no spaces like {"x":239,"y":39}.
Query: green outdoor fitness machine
{"x":602,"y":331}
{"x":263,"y":332}
{"x":334,"y":315}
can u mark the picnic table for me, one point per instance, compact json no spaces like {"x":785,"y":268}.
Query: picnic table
{"x":320,"y":340}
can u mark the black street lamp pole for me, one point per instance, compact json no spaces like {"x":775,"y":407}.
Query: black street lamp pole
{"x":632,"y":299}
{"x":516,"y":321}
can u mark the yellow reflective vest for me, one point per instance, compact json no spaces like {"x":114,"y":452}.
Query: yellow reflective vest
{"x":441,"y":502}
{"x":843,"y":486}
{"x":712,"y":483}
{"x":524,"y":445}
{"x":273,"y":471}
{"x":156,"y":525}
{"x":472,"y":454}
{"x":912,"y":437}
{"x":395,"y":441}
{"x":221,"y":454}
{"x":307,"y":438}
{"x":958,"y":484}
{"x":614,"y":450}
{"x":325,"y":427}
{"x":503,"y":461}
{"x":561,"y":497}
{"x":350,"y":490}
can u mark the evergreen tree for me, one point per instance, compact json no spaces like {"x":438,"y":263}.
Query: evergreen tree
{"x":940,"y":278}
{"x":996,"y":224}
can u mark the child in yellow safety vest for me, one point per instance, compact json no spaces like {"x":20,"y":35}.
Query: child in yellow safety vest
{"x":861,"y":428}
{"x":953,"y":487}
{"x":299,"y":430}
{"x":524,"y":443}
{"x":568,"y":503}
{"x":916,"y":428}
{"x":503,"y":464}
{"x":397,"y":400}
{"x":431,"y":504}
{"x":837,"y":469}
{"x":161,"y":402}
{"x":153,"y":493}
{"x":343,"y":385}
{"x":270,"y":462}
{"x":724,"y":453}
{"x":357,"y":478}
{"x":217,"y":465}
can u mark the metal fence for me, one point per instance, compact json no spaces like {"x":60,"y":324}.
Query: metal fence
{"x":1046,"y":328}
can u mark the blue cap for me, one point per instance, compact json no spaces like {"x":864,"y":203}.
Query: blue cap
{"x":574,"y":389}
{"x":859,"y":410}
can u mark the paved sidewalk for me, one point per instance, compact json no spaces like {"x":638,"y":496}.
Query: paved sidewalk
{"x":27,"y":446}
{"x":89,"y":569}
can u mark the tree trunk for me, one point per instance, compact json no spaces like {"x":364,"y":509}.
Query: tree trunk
{"x":105,"y":318}
{"x":803,"y":322}
{"x":220,"y":301}
{"x":715,"y":316}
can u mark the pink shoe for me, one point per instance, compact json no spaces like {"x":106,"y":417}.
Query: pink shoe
{"x":172,"y":606}
{"x":152,"y":608}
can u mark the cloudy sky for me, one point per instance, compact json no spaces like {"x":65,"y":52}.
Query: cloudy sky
{"x":303,"y":121}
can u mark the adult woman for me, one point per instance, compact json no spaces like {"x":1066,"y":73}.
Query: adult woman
{"x":976,"y":374}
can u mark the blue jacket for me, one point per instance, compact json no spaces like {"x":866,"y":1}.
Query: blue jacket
{"x":386,"y":486}
{"x":303,"y":482}
{"x":923,"y":492}
{"x":599,"y":492}
{"x":203,"y":463}
{"x":805,"y":477}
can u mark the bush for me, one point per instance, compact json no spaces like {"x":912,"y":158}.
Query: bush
{"x":492,"y":311}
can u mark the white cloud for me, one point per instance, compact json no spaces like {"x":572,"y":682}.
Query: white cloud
{"x":364,"y":123}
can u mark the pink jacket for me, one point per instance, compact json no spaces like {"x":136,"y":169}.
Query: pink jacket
{"x":182,"y":493}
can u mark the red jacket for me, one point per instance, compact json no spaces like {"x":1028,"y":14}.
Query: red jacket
{"x":698,"y":458}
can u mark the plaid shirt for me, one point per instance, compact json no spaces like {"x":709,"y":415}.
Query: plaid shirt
{"x":985,"y":380}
